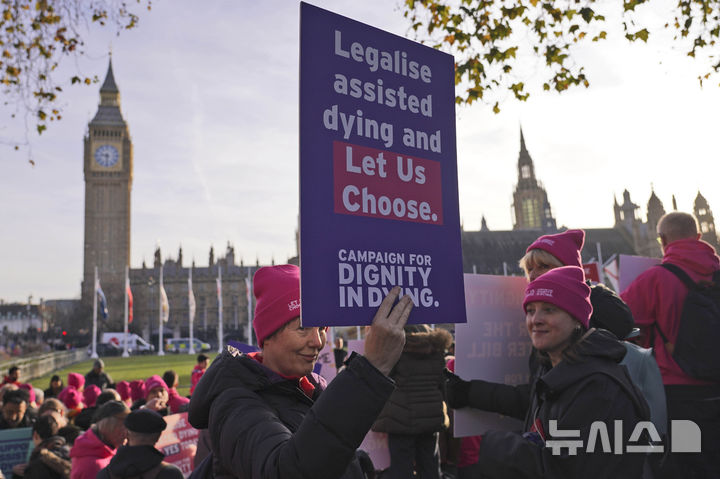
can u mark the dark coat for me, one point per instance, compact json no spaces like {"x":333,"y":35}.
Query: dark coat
{"x":144,"y":462}
{"x":49,"y":460}
{"x":417,"y":406}
{"x":263,"y":426}
{"x":101,"y":379}
{"x":576,"y":394}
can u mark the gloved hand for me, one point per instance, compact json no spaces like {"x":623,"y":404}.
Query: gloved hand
{"x":457,"y":390}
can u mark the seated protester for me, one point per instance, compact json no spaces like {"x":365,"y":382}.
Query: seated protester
{"x":90,"y":395}
{"x":15,"y":410}
{"x":270,"y":416}
{"x":578,"y":383}
{"x":198,"y":371}
{"x":56,"y":385}
{"x":55,"y":408}
{"x":123,"y":389}
{"x":96,"y":446}
{"x":77,"y":381}
{"x":84,"y":419}
{"x":50,"y":459}
{"x":5,"y":388}
{"x":39,"y":396}
{"x":139,"y":458}
{"x":72,"y":399}
{"x":98,"y":376}
{"x":13,"y":376}
{"x":32,"y":397}
{"x":176,"y":402}
{"x":156,"y":396}
{"x":137,"y":390}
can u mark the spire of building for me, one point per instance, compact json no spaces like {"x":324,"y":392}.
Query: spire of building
{"x":483,"y":224}
{"x":674,"y":203}
{"x":109,"y":113}
{"x":655,"y":210}
{"x":109,"y":85}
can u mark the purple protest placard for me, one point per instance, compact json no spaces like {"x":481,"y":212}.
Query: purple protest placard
{"x":633,"y":266}
{"x":493,"y":345}
{"x":378,"y":174}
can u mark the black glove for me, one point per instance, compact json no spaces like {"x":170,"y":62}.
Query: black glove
{"x":457,"y":390}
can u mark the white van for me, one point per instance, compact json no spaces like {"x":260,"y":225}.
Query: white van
{"x":136,"y":344}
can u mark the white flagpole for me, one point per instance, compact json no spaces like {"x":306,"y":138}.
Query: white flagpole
{"x":161,"y":350}
{"x":191,"y":313}
{"x":125,"y":353}
{"x":220,"y":311}
{"x":250,"y":306}
{"x":601,"y":273}
{"x":94,"y":353}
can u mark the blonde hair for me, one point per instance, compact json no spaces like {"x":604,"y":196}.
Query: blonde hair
{"x":538,"y":256}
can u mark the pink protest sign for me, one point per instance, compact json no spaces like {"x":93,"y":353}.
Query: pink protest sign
{"x":179,"y":442}
{"x":632,"y":266}
{"x":493,"y":345}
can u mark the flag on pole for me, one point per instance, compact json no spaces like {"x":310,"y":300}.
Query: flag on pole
{"x":164,"y":305}
{"x":610,"y":268}
{"x":191,"y":299}
{"x":103,"y":301}
{"x":129,"y":299}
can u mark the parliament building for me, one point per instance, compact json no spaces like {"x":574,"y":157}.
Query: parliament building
{"x":108,"y":173}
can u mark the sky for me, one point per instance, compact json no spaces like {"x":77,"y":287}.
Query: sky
{"x":210,"y":93}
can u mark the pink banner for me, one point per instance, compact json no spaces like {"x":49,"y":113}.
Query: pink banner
{"x":179,"y":442}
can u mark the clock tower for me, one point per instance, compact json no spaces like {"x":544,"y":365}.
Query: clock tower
{"x":108,"y":169}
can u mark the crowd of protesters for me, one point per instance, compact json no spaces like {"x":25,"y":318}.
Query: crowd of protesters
{"x":267,"y":414}
{"x":90,"y":426}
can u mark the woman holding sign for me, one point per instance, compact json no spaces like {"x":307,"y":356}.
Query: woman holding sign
{"x":581,"y":410}
{"x":269,"y":416}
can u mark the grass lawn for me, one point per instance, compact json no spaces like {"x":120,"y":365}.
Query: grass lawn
{"x":134,"y":367}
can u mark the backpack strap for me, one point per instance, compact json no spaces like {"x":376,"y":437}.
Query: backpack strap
{"x":682,"y":275}
{"x":691,"y":286}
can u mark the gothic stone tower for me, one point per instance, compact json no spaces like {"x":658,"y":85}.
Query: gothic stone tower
{"x":706,"y":220}
{"x":530,"y":204}
{"x":108,"y":168}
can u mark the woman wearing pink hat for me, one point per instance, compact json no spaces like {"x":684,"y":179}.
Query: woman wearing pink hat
{"x":269,"y":416}
{"x":578,"y":387}
{"x":609,"y":312}
{"x":156,"y":396}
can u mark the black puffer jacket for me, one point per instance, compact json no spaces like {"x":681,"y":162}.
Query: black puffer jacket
{"x":417,"y":406}
{"x":263,"y":426}
{"x":575,"y":395}
{"x":139,"y":462}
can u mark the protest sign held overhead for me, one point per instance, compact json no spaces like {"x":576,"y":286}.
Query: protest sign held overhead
{"x":378,"y":174}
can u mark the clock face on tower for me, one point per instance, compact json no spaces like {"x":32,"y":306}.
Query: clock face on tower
{"x":106,"y":155}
